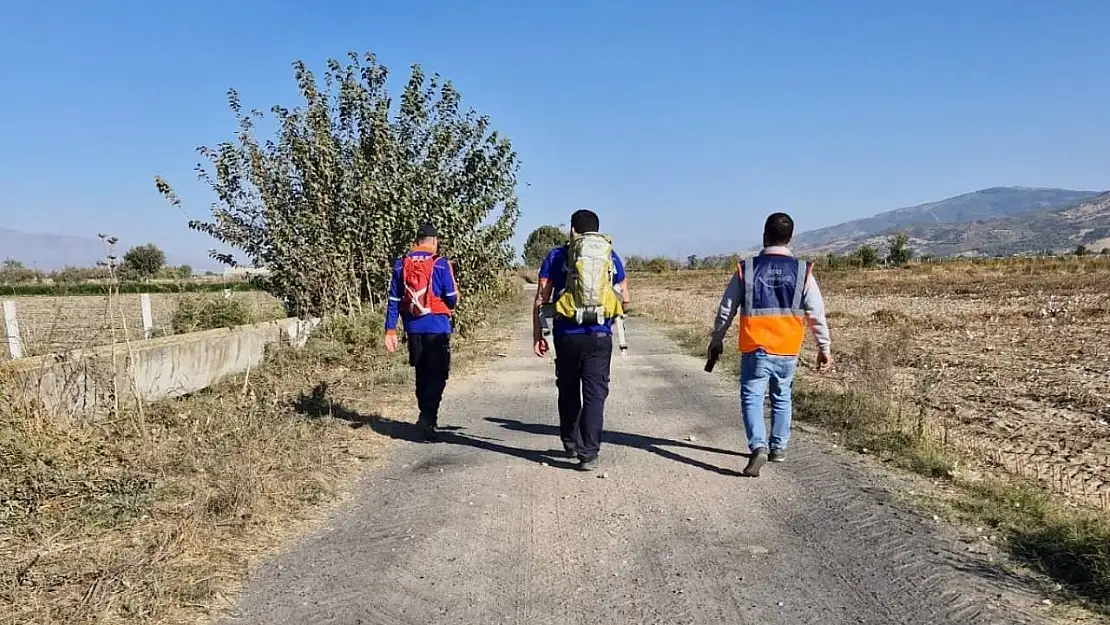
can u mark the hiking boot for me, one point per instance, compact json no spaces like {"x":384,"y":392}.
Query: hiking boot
{"x":587,"y":465}
{"x":756,"y":460}
{"x":777,"y":455}
{"x":428,"y":431}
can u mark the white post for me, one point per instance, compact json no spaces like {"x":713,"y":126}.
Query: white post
{"x":148,"y":318}
{"x":11,"y":329}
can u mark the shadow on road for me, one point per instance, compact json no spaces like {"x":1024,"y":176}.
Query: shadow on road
{"x":318,"y":405}
{"x":651,"y":444}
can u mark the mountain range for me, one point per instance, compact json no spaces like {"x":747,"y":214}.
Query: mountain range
{"x":48,"y":252}
{"x":51,"y":252}
{"x":989,"y":222}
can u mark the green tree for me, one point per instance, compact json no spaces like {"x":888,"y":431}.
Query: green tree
{"x":330,"y":201}
{"x":540,"y":242}
{"x":866,"y":256}
{"x":635,"y":263}
{"x":658,"y":265}
{"x":143,"y":261}
{"x":1105,"y":251}
{"x":15,"y":272}
{"x":834,"y":261}
{"x":184,"y":272}
{"x":1081,"y":250}
{"x":900,"y":254}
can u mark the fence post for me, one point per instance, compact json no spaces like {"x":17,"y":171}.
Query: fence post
{"x":148,"y":318}
{"x":11,"y":330}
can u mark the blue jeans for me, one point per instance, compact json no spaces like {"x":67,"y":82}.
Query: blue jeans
{"x":758,"y":371}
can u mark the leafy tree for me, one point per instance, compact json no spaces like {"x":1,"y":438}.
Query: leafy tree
{"x":185,"y":272}
{"x":1105,"y":251}
{"x":658,"y":265}
{"x":144,"y":261}
{"x":692,"y":261}
{"x":1081,"y":250}
{"x":336,"y":195}
{"x":834,"y":261}
{"x":15,"y":272}
{"x":866,"y":256}
{"x":73,"y":275}
{"x":900,"y":254}
{"x":540,"y":242}
{"x":635,"y":263}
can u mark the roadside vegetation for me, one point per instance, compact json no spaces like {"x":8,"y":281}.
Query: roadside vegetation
{"x":155,"y":513}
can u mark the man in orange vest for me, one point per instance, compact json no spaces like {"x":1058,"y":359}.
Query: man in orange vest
{"x":423,"y":295}
{"x":775,"y":295}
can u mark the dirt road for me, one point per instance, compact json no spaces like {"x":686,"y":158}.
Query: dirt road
{"x":490,"y":526}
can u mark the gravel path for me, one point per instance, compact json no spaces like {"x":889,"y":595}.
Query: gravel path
{"x":489,"y":527}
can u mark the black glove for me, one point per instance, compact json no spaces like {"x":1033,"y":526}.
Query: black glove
{"x":715,"y":351}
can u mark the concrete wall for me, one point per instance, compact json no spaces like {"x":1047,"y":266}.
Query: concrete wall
{"x":60,"y":323}
{"x":83,"y":381}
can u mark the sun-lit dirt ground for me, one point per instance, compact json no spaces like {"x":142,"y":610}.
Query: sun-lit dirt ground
{"x":1010,"y":361}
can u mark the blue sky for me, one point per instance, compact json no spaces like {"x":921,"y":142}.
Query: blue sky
{"x":681,"y":123}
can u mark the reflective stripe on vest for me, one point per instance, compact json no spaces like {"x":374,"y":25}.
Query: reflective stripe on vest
{"x":772,"y":319}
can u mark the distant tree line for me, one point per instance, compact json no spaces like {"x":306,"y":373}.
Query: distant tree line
{"x":140,"y":263}
{"x":897,"y":253}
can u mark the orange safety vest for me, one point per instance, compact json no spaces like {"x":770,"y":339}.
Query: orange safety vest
{"x":771,"y":313}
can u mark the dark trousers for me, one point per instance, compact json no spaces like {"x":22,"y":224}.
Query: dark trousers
{"x":582,"y":377}
{"x":430,"y":355}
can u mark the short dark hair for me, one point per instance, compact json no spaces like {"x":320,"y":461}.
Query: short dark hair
{"x":584,"y":221}
{"x":778,"y":229}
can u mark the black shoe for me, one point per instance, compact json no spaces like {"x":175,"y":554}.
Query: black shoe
{"x":755,"y":462}
{"x":428,"y":431}
{"x":570,"y":450}
{"x":587,"y":465}
{"x":777,"y":455}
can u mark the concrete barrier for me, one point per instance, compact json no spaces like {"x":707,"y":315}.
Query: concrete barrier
{"x":83,"y":382}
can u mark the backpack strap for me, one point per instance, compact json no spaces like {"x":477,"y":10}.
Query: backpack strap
{"x":419,"y":300}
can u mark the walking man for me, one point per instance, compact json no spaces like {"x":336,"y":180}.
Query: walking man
{"x":580,"y":281}
{"x":423,"y":294}
{"x":775,"y":295}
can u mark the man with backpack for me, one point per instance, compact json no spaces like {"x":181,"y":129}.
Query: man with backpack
{"x":584,"y":282}
{"x":776,"y":296}
{"x":423,"y":294}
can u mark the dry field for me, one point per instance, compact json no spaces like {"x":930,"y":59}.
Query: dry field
{"x":1006,"y":364}
{"x":59,"y":323}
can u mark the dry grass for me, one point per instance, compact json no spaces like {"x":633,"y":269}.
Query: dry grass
{"x":158,"y":519}
{"x":988,"y":375}
{"x":50,"y":324}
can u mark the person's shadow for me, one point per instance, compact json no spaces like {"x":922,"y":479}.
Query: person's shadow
{"x":651,"y":444}
{"x":317,"y":405}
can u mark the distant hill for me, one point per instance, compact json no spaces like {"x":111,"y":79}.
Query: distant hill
{"x":984,"y":205}
{"x":1086,"y":222}
{"x":48,"y":252}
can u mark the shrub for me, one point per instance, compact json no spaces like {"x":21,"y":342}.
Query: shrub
{"x":196,"y":313}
